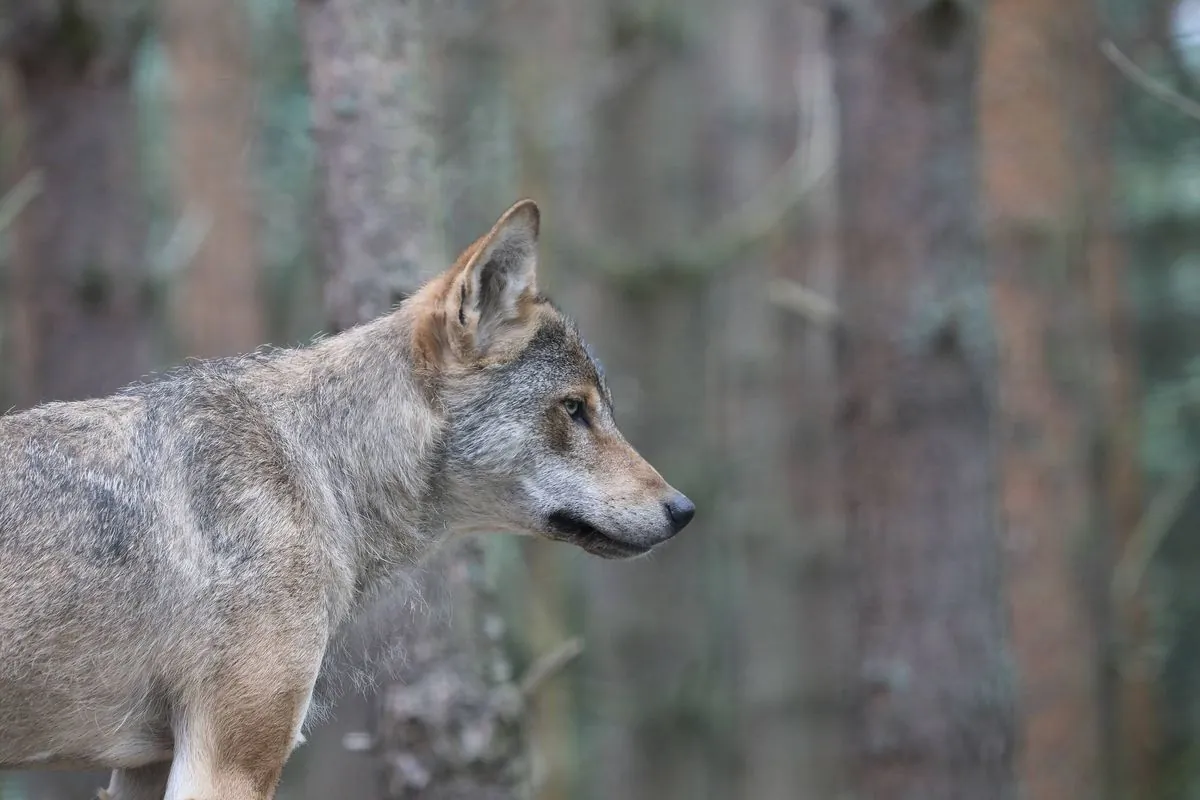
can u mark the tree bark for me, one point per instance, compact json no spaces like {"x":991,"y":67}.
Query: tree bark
{"x":660,"y":632}
{"x":1033,"y":201}
{"x":917,"y":368}
{"x":782,"y":434}
{"x":220,"y":308}
{"x":1133,"y":671}
{"x":545,"y":43}
{"x":451,"y":728}
{"x":371,"y":120}
{"x":83,"y":325}
{"x":1067,"y":402}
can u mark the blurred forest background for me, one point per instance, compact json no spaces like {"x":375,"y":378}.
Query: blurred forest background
{"x":905,"y":294}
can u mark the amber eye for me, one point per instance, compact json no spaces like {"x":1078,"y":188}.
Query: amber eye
{"x":574,"y":407}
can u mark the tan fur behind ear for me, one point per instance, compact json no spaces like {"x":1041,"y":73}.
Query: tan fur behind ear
{"x":427,"y":308}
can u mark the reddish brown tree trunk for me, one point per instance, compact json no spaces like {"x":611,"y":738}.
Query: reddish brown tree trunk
{"x":917,"y":378}
{"x":220,"y":308}
{"x":1042,"y":322}
{"x":1066,"y":395}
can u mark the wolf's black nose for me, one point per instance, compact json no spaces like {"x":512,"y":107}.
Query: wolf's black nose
{"x":680,"y":510}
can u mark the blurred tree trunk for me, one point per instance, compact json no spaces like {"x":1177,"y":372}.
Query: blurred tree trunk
{"x":544,"y":40}
{"x":659,"y":632}
{"x":451,"y":728}
{"x":1072,"y":481}
{"x":78,"y":321}
{"x":917,"y":378}
{"x":82,"y":324}
{"x":1032,"y":190}
{"x":371,"y":124}
{"x":18,"y":186}
{"x":220,"y":310}
{"x":779,"y":423}
{"x":751,"y":370}
{"x":1134,"y":663}
{"x":1071,"y":485}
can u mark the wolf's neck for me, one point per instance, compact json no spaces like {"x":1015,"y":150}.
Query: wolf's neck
{"x":375,"y":439}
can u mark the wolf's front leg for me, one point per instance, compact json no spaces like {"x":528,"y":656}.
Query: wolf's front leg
{"x":144,"y":783}
{"x":232,"y":739}
{"x":235,"y":749}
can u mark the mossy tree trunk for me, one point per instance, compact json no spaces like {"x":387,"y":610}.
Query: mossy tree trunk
{"x":917,"y":422}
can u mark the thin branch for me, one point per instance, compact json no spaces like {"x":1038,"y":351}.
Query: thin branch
{"x":549,"y":665}
{"x":20,"y":196}
{"x":799,"y":299}
{"x":359,"y":742}
{"x":1152,"y":529}
{"x":187,"y":237}
{"x":1165,"y":93}
{"x":810,"y":162}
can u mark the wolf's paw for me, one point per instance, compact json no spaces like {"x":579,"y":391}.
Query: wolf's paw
{"x":102,"y":794}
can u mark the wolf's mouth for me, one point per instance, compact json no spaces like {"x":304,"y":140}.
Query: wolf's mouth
{"x":569,"y":528}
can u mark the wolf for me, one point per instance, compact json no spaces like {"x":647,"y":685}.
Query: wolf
{"x":176,"y":558}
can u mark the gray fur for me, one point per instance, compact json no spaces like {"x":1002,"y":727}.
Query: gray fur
{"x":175,"y":553}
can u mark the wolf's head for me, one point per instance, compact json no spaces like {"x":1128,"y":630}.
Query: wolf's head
{"x":532,"y":444}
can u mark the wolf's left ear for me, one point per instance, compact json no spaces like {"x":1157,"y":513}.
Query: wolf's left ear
{"x":496,"y":278}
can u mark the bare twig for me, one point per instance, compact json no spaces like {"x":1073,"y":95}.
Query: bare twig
{"x":359,"y":742}
{"x":187,"y":237}
{"x":1152,"y":529}
{"x":1143,"y":79}
{"x":20,"y":196}
{"x":549,"y":665}
{"x":809,"y":163}
{"x":799,"y":299}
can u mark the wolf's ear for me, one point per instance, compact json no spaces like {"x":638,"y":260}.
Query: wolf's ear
{"x":495,"y":279}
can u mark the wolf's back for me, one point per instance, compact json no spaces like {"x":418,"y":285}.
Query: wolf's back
{"x":75,"y":479}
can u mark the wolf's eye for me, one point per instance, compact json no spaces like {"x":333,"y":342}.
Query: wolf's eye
{"x":574,"y":408}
